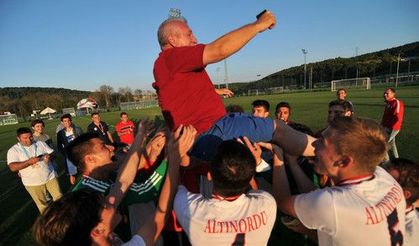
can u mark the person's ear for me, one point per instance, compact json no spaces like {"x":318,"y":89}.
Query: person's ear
{"x":89,"y":158}
{"x":407,"y":194}
{"x":171,"y":39}
{"x":344,"y":161}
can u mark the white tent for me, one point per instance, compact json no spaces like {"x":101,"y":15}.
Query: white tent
{"x":47,"y":110}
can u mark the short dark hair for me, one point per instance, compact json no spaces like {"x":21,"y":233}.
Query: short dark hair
{"x":23,"y":130}
{"x":79,"y":148}
{"x":281,"y":105}
{"x":232,"y":168}
{"x":391,"y":89}
{"x":408,"y":176}
{"x":301,"y":128}
{"x":123,"y":113}
{"x":340,"y":89}
{"x":65,"y":116}
{"x":93,"y":114}
{"x":261,"y":103}
{"x":234,"y":108}
{"x":37,"y":121}
{"x":69,"y":220}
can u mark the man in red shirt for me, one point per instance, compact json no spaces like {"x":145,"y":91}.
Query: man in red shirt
{"x":125,"y":129}
{"x":392,"y":118}
{"x":185,"y":92}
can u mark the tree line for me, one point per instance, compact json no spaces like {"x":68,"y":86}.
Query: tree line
{"x":24,"y":100}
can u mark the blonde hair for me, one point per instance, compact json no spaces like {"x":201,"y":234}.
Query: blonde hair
{"x":362,"y":139}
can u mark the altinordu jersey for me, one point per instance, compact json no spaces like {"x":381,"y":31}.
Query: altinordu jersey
{"x":364,"y":211}
{"x":248,"y":220}
{"x":185,"y":92}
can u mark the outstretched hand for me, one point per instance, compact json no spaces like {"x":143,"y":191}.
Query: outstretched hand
{"x":226,"y":93}
{"x":266,"y":20}
{"x":145,"y":127}
{"x":182,"y":140}
{"x":254,"y":149}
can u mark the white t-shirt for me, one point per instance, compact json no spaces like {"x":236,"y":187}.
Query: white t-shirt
{"x":248,"y":219}
{"x":356,"y":212}
{"x":37,"y":174}
{"x":412,"y":228}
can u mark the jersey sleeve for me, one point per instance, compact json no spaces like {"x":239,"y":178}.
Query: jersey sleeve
{"x":12,"y":156}
{"x":316,"y":210}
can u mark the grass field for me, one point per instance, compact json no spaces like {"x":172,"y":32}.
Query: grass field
{"x":18,"y":211}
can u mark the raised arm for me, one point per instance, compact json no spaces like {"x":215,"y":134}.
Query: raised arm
{"x":280,"y":186}
{"x":129,"y":167}
{"x":304,"y":184}
{"x":176,"y":149}
{"x":233,"y":41}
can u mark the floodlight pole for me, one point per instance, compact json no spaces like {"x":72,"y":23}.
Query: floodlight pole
{"x":397,"y":71}
{"x":225,"y":73}
{"x":305,"y":66}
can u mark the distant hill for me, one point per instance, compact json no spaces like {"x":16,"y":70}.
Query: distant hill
{"x":22,"y":100}
{"x":373,"y":64}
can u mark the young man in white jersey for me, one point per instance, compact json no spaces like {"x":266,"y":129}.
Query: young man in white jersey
{"x":233,"y":215}
{"x":366,"y":205}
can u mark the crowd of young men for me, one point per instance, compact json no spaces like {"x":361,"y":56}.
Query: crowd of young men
{"x":361,"y":204}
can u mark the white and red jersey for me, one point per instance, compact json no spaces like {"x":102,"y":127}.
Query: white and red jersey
{"x":363,"y":211}
{"x":247,"y":220}
{"x":393,"y":114}
{"x":412,"y":227}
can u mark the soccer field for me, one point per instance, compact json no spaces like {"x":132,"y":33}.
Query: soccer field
{"x":18,"y":211}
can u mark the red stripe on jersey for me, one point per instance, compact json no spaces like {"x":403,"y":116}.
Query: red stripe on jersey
{"x":356,"y":180}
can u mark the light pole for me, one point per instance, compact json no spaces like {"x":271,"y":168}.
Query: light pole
{"x":225,"y":73}
{"x":305,"y":66}
{"x":397,"y":71}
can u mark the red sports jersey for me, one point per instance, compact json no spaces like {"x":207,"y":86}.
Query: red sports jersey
{"x":185,"y":92}
{"x":125,"y":131}
{"x":393,"y":114}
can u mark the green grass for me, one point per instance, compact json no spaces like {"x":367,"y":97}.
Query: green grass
{"x":18,"y":211}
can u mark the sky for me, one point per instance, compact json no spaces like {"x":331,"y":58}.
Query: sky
{"x":83,"y":44}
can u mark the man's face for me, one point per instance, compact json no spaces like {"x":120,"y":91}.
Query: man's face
{"x":389,"y":95}
{"x":326,"y":159}
{"x":25,"y":139}
{"x":66,"y":122}
{"x":260,"y":111}
{"x":184,"y":36}
{"x":335,"y":110}
{"x":341,"y":95}
{"x":96,"y":118}
{"x":283,"y":114}
{"x":102,"y":152}
{"x":38,"y":128}
{"x":124,"y":118}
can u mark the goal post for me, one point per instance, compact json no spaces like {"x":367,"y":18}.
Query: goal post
{"x":361,"y":83}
